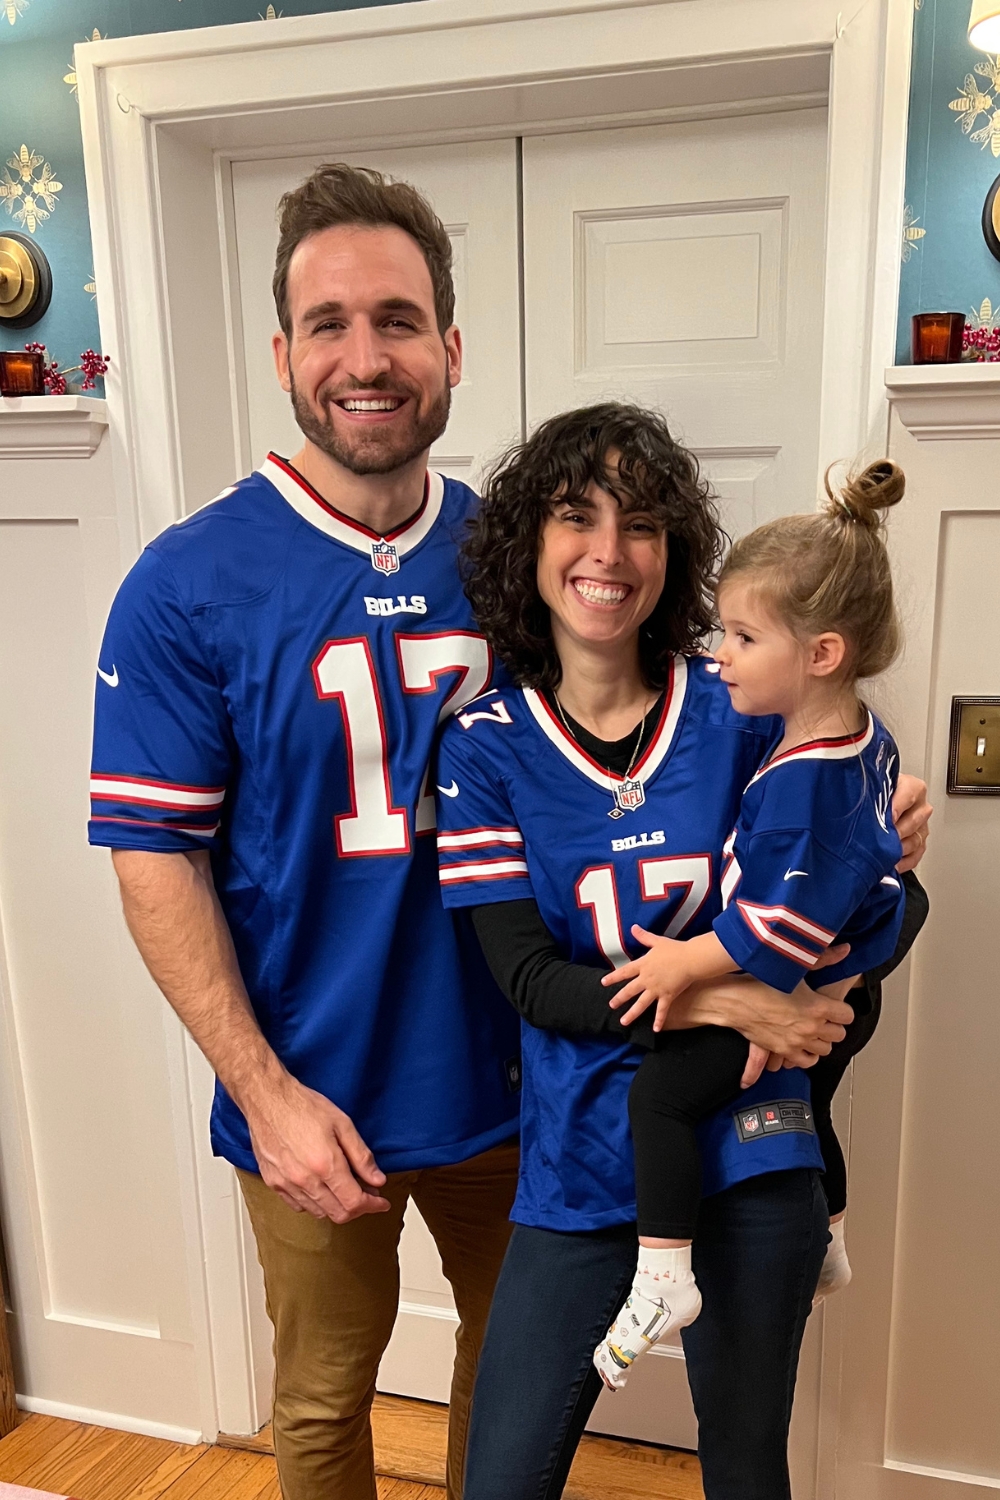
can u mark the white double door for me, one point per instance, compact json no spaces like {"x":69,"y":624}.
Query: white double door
{"x":679,"y":266}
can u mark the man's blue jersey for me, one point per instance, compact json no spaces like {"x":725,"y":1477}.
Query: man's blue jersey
{"x":271,"y":683}
{"x":813,"y":861}
{"x":524,"y":812}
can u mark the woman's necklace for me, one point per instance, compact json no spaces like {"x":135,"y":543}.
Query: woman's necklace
{"x":628,"y":793}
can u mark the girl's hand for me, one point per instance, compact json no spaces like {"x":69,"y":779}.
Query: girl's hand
{"x":657,"y":977}
{"x":911,"y":813}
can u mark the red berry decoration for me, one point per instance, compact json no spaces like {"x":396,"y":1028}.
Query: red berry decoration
{"x":91,"y":366}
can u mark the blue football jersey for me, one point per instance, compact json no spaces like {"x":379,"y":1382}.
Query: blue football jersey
{"x":271,"y":683}
{"x":813,"y":861}
{"x":526,"y":813}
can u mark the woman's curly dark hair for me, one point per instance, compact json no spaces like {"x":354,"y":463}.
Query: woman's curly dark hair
{"x":559,"y":460}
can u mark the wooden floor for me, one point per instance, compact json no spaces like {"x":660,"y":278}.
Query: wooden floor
{"x":95,"y":1463}
{"x":411,"y":1438}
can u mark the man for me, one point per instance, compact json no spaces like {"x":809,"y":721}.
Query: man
{"x":272,"y":676}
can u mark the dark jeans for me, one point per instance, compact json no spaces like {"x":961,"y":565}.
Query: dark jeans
{"x":757,"y":1257}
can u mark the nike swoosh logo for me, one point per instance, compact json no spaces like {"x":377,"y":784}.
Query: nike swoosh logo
{"x":790,"y":873}
{"x":110,"y":678}
{"x":449,"y":791}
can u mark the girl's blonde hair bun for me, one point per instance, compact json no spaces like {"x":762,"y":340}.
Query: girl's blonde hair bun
{"x":866,"y":494}
{"x":830,"y":570}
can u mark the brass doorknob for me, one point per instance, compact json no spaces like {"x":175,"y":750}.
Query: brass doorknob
{"x":25,"y":282}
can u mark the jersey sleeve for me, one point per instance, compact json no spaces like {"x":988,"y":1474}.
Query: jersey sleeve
{"x":481,"y":856}
{"x":873,"y":932}
{"x":793,"y":899}
{"x":162,"y":741}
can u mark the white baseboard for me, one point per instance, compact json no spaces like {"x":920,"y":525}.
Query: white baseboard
{"x":109,"y":1419}
{"x":421,"y":1353}
{"x":953,"y":1476}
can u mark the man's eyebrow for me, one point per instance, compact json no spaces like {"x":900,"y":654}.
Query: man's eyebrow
{"x":321,"y":310}
{"x":388,"y":304}
{"x":401,"y":304}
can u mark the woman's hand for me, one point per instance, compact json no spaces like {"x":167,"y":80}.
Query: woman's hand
{"x":798,"y":1028}
{"x":911,"y":814}
{"x":756,"y":1063}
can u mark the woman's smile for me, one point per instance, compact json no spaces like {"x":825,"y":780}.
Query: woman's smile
{"x":601,"y":593}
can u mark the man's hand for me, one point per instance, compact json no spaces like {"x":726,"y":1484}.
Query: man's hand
{"x":310,"y":1153}
{"x":911,"y":813}
{"x":307,"y":1149}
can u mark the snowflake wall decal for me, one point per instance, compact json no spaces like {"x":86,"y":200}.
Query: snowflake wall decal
{"x":13,"y":8}
{"x":912,"y":235}
{"x":29,"y":188}
{"x":973,"y":101}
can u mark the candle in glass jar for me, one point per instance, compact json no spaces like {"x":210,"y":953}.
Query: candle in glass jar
{"x":21,"y":373}
{"x":937,"y":338}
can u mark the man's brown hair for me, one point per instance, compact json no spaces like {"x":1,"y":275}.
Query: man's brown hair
{"x":339,"y":194}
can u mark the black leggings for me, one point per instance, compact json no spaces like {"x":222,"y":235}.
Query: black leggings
{"x":824,"y":1080}
{"x":693,"y":1073}
{"x":690,"y":1074}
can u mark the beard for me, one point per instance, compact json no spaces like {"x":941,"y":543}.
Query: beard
{"x":375,"y":450}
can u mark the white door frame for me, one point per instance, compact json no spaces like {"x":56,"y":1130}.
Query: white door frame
{"x":163,"y":116}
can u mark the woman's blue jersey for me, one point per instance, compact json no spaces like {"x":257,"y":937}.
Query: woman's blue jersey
{"x":814,"y":861}
{"x":524,"y":812}
{"x":271,"y":683}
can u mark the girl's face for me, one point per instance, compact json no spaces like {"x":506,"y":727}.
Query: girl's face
{"x":764,"y":666}
{"x":601,"y":568}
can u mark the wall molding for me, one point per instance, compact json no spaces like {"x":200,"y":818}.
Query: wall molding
{"x":51,"y":426}
{"x":113,"y":1419}
{"x":946,"y":403}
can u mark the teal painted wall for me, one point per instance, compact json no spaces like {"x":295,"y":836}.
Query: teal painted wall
{"x":953,"y":155}
{"x":42,"y":190}
{"x":953,"y":151}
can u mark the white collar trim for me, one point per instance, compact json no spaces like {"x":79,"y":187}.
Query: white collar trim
{"x":846,"y":748}
{"x":658,"y":747}
{"x":311,"y":507}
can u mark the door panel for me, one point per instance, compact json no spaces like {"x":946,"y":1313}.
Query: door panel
{"x":681,"y":266}
{"x":473,"y":187}
{"x":93,"y":1204}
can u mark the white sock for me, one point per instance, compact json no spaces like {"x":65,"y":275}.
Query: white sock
{"x":664,"y":1297}
{"x":835,"y":1272}
{"x":657,"y":1267}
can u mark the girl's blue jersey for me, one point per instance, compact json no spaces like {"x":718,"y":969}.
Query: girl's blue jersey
{"x":814,"y":861}
{"x":523,"y":812}
{"x":270,"y":688}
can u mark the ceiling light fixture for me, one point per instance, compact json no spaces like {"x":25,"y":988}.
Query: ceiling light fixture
{"x":984,"y":25}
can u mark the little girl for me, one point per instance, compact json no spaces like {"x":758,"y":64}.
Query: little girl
{"x":807,"y":608}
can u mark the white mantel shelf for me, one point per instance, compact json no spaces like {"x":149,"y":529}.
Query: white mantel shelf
{"x":51,"y":426}
{"x":946,"y":403}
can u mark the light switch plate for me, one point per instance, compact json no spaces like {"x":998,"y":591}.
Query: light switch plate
{"x":974,"y":747}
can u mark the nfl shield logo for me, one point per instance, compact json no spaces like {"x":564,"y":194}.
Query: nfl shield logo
{"x":629,"y":795}
{"x":385,"y":558}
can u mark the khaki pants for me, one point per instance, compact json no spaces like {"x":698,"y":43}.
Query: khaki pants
{"x":332,"y":1294}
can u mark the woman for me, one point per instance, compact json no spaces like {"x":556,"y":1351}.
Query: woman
{"x":599,"y":792}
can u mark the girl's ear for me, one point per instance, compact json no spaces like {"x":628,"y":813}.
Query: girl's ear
{"x":826,"y":654}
